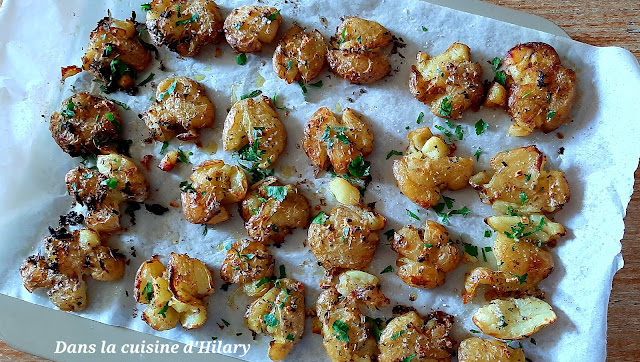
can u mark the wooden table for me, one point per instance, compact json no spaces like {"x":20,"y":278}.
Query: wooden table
{"x":601,"y":23}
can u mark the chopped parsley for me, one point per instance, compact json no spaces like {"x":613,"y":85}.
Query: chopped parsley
{"x":551,"y":114}
{"x":526,"y":95}
{"x":474,"y":331}
{"x":123,"y":105}
{"x":303,"y":87}
{"x":273,"y":16}
{"x":146,"y":80}
{"x":111,"y":183}
{"x":290,"y":337}
{"x":270,"y":320}
{"x":496,"y":63}
{"x":263,"y":281}
{"x":420,"y":117}
{"x":183,"y":157}
{"x":521,"y":278}
{"x":169,"y":91}
{"x":448,"y":201}
{"x":359,"y":168}
{"x":321,"y":218}
{"x":108,"y":50}
{"x":424,"y":29}
{"x":317,"y":84}
{"x":326,"y":136}
{"x":444,"y":131}
{"x":186,"y":186}
{"x":164,"y":310}
{"x":527,"y":177}
{"x":533,"y":341}
{"x":517,"y":231}
{"x":283,"y":272}
{"x":393,"y":153}
{"x":164,"y":147}
{"x":523,"y":198}
{"x":412,"y":215}
{"x":278,"y":192}
{"x":252,"y":94}
{"x":145,"y":7}
{"x":445,"y":107}
{"x":192,"y":19}
{"x":481,"y":126}
{"x":374,"y":324}
{"x":501,"y":77}
{"x":478,"y":153}
{"x":226,"y":324}
{"x":148,"y":291}
{"x":389,"y":234}
{"x":409,"y":358}
{"x":388,"y":269}
{"x":487,"y":233}
{"x":68,"y":111}
{"x":345,"y":234}
{"x":275,"y":100}
{"x":115,"y":123}
{"x":428,"y":245}
{"x":342,"y":330}
{"x":503,"y":322}
{"x":471,"y":249}
{"x":439,"y":209}
{"x":249,"y":155}
{"x":241,"y":59}
{"x":396,"y":335}
{"x":205,"y":231}
{"x":343,"y":35}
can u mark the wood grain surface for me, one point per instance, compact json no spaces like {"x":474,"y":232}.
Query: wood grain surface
{"x":601,"y":23}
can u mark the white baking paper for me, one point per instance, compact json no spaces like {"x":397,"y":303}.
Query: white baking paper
{"x":601,"y":152}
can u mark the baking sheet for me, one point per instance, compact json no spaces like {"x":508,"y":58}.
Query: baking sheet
{"x":601,"y":174}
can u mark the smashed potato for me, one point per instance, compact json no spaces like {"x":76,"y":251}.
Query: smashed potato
{"x":249,"y":264}
{"x":115,"y":54}
{"x":427,"y":168}
{"x":346,"y":239}
{"x":514,"y":318}
{"x":346,"y":333}
{"x":450,"y":82}
{"x":181,"y":109}
{"x":116,"y":180}
{"x":272,"y":210}
{"x":280,"y":314}
{"x":85,"y":124}
{"x":69,"y":258}
{"x":410,"y":336}
{"x":488,"y":350}
{"x":174,"y":293}
{"x":329,"y":140}
{"x":214,"y":186}
{"x":184,"y":26}
{"x":520,"y":183}
{"x":496,"y":96}
{"x":249,"y":27}
{"x":299,"y":55}
{"x":522,"y":260}
{"x":252,"y":126}
{"x":356,"y":51}
{"x":541,"y":90}
{"x":424,"y":256}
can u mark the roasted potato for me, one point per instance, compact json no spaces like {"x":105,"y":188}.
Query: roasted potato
{"x":356,"y":51}
{"x":541,"y":90}
{"x":214,"y":186}
{"x":115,"y":54}
{"x":184,"y":26}
{"x":68,"y":258}
{"x":424,"y":256}
{"x":520,"y":183}
{"x":279,"y":313}
{"x":252,"y":126}
{"x":410,"y":336}
{"x":346,"y":333}
{"x":181,"y":109}
{"x":427,"y":168}
{"x":488,"y":350}
{"x":116,"y":180}
{"x":514,"y":318}
{"x":344,"y":191}
{"x":496,"y":96}
{"x":272,"y":210}
{"x":329,"y":140}
{"x":85,"y":124}
{"x":299,"y":55}
{"x":249,"y":264}
{"x":536,"y":228}
{"x":174,"y":293}
{"x":450,"y":82}
{"x":249,"y":27}
{"x":346,"y":239}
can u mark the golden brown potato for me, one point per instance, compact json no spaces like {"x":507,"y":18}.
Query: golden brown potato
{"x":184,"y":26}
{"x":346,"y":333}
{"x":299,"y":55}
{"x":181,"y":109}
{"x":541,"y":90}
{"x":514,"y":318}
{"x":523,"y":260}
{"x":424,"y":256}
{"x":272,"y":210}
{"x":521,"y":184}
{"x":347,"y":239}
{"x":280,"y":314}
{"x":116,"y":180}
{"x":175,"y":293}
{"x":249,"y":27}
{"x":68,"y":258}
{"x":449,"y":82}
{"x":336,"y":141}
{"x":249,"y":264}
{"x":85,"y":124}
{"x":344,"y":191}
{"x":356,"y":51}
{"x":427,"y":168}
{"x":496,"y":96}
{"x":115,"y":54}
{"x":488,"y":350}
{"x":214,"y":186}
{"x":252,"y":124}
{"x":411,"y":335}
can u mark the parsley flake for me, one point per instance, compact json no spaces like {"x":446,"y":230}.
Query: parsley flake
{"x":496,"y":63}
{"x":252,"y":94}
{"x":523,"y":197}
{"x":481,"y":126}
{"x":478,"y":153}
{"x":273,"y":16}
{"x":412,"y":215}
{"x":393,"y":153}
{"x":420,"y":117}
{"x":241,"y":59}
{"x":169,"y":91}
{"x":278,"y":192}
{"x":321,"y":218}
{"x":192,"y":19}
{"x":445,"y":107}
{"x":342,"y":330}
{"x":389,"y":234}
{"x":501,"y":77}
{"x":388,"y":269}
{"x":111,"y":183}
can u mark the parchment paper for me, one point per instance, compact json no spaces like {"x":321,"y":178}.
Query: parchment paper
{"x":601,"y":152}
